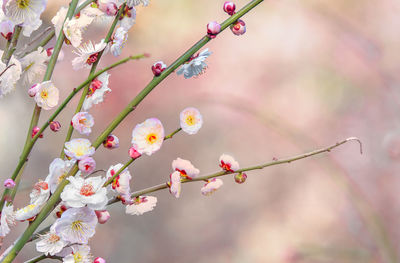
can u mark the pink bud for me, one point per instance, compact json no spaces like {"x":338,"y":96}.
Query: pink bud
{"x":158,"y":68}
{"x":229,"y":7}
{"x":33,"y":90}
{"x":133,"y":153}
{"x":50,"y":52}
{"x":108,"y":7}
{"x":111,"y":142}
{"x":240,"y":178}
{"x":87,"y":165}
{"x":102,"y":216}
{"x":9,"y":183}
{"x":213,"y":28}
{"x":99,"y":260}
{"x":55,"y":126}
{"x":238,"y":28}
{"x":7,"y":29}
{"x":35,"y":130}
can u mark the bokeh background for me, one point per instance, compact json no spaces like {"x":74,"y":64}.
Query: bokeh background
{"x":305,"y":75}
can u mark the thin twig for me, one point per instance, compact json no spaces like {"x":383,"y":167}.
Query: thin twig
{"x":251,"y":168}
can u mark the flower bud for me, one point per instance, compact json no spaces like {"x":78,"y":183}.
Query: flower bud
{"x":238,"y":28}
{"x":49,"y":52}
{"x":229,"y":7}
{"x":35,"y":130}
{"x":99,"y":260}
{"x":33,"y":90}
{"x":158,"y":68}
{"x":108,"y":7}
{"x":55,"y":126}
{"x":213,"y":28}
{"x":87,"y":165}
{"x":240,"y":178}
{"x":111,"y":142}
{"x":7,"y":29}
{"x":102,"y":216}
{"x":9,"y":183}
{"x":133,"y":153}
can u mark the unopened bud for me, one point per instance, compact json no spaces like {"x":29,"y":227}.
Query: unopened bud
{"x":108,"y":7}
{"x":213,"y":28}
{"x":240,"y":178}
{"x":87,"y":165}
{"x":35,"y":130}
{"x":133,"y":153}
{"x":7,"y":29}
{"x":33,"y":90}
{"x":238,"y":28}
{"x":55,"y":126}
{"x":229,"y":7}
{"x":158,"y":68}
{"x":99,"y":260}
{"x":111,"y":142}
{"x":9,"y":183}
{"x":102,"y":216}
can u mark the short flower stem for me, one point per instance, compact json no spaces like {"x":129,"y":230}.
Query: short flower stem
{"x":251,"y":168}
{"x":109,"y":181}
{"x":12,"y":45}
{"x":92,"y":72}
{"x":54,"y":199}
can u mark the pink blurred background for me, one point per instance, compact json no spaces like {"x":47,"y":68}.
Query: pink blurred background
{"x":305,"y":75}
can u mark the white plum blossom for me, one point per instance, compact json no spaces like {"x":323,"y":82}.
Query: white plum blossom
{"x":50,"y":243}
{"x":58,"y":170}
{"x":33,"y":67}
{"x":141,"y":205}
{"x":128,"y":17}
{"x":191,"y":120}
{"x":58,"y":20}
{"x":98,"y":88}
{"x":148,"y":136}
{"x":138,"y":2}
{"x":33,"y":25}
{"x":80,"y":254}
{"x":87,"y":54}
{"x":23,"y":11}
{"x":40,"y":193}
{"x":121,"y":184}
{"x":7,"y":219}
{"x":83,"y":122}
{"x":10,"y":75}
{"x":89,"y":191}
{"x":228,"y":163}
{"x":47,"y":95}
{"x":175,"y":184}
{"x":74,"y":28}
{"x":79,"y":148}
{"x":76,"y":225}
{"x":27,"y":212}
{"x":195,"y":66}
{"x":211,"y":186}
{"x":185,"y":168}
{"x":119,"y":41}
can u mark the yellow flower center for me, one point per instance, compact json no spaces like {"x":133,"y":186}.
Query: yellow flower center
{"x":80,"y":150}
{"x":190,"y":120}
{"x":23,"y":3}
{"x":87,"y":190}
{"x":78,"y":258}
{"x":77,"y":226}
{"x":54,"y":238}
{"x":61,"y":177}
{"x":152,"y":138}
{"x":44,"y":94}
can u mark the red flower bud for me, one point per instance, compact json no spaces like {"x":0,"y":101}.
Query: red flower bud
{"x":229,"y":7}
